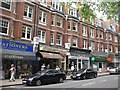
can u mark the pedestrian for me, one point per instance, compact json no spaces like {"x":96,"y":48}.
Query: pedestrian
{"x":75,"y":69}
{"x":48,"y":66}
{"x":12,"y":70}
{"x":57,"y":68}
{"x":43,"y":67}
{"x":72,"y":68}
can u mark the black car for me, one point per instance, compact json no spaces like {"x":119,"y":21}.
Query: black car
{"x":84,"y":73}
{"x":45,"y":76}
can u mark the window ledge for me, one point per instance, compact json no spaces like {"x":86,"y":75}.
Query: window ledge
{"x":42,"y":23}
{"x":5,"y":9}
{"x":26,"y":39}
{"x":27,"y":18}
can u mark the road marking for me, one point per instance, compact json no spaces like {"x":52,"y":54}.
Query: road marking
{"x":103,"y":81}
{"x":88,"y":84}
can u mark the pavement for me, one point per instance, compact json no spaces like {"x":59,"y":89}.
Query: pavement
{"x":5,"y":83}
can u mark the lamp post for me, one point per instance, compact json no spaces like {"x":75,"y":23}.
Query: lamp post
{"x":119,"y":48}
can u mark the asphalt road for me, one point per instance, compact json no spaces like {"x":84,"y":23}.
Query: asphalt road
{"x":109,"y":81}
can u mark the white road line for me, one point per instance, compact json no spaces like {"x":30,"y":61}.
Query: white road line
{"x":103,"y":81}
{"x":88,"y":84}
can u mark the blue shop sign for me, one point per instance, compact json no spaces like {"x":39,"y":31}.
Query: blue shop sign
{"x":12,"y":45}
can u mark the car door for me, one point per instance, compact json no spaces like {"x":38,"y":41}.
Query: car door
{"x":49,"y":76}
{"x":89,"y":73}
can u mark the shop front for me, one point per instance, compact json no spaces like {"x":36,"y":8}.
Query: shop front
{"x":100,"y":62}
{"x":79,"y":58}
{"x":20,"y":55}
{"x":115,"y":60}
{"x":51,"y":56}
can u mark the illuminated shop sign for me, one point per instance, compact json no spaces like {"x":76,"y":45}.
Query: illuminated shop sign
{"x":12,"y":45}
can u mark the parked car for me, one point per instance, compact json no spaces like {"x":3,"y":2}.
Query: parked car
{"x":45,"y":76}
{"x":115,"y":70}
{"x":84,"y":73}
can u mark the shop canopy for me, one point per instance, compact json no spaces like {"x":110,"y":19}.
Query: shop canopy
{"x":49,"y":55}
{"x":17,"y":55}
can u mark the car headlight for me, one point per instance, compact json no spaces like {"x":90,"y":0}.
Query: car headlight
{"x":78,"y":75}
{"x":30,"y":79}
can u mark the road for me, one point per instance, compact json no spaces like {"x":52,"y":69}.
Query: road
{"x":109,"y":81}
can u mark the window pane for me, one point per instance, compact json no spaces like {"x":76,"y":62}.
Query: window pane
{"x":68,"y":24}
{"x":40,"y":16}
{"x":6,"y":4}
{"x":4,"y":26}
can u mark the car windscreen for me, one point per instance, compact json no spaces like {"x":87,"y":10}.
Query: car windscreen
{"x":81,"y":70}
{"x":40,"y":72}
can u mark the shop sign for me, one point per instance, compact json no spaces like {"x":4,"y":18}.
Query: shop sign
{"x":10,"y":56}
{"x":85,"y":57}
{"x":12,"y":45}
{"x":47,"y":48}
{"x":17,"y":57}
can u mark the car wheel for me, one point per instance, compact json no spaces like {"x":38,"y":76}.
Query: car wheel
{"x":61,"y":80}
{"x":84,"y":77}
{"x":38,"y":82}
{"x":95,"y":76}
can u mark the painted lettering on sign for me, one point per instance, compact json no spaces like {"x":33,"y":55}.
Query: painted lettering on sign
{"x":12,"y":45}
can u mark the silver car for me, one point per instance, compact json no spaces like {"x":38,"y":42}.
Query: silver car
{"x":115,"y":70}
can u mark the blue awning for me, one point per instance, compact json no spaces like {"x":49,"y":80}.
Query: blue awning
{"x":17,"y":55}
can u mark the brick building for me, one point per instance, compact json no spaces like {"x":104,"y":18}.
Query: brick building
{"x":64,"y":38}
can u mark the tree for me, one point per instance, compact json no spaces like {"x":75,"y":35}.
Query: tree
{"x":111,"y":8}
{"x":85,"y":9}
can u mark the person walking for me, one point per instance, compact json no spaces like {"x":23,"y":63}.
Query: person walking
{"x":43,"y":67}
{"x":57,"y":68}
{"x":12,"y":70}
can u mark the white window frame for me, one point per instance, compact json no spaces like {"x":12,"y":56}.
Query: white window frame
{"x":92,"y":45}
{"x":101,"y":34}
{"x":110,"y":37}
{"x":92,"y":21}
{"x":60,"y":39}
{"x":28,"y":11}
{"x":75,"y":23}
{"x":69,"y":40}
{"x":92,"y":33}
{"x":26,"y":30}
{"x":3,"y":25}
{"x":116,"y":49}
{"x":84,"y":31}
{"x":116,"y":39}
{"x":99,"y":23}
{"x":42,"y":17}
{"x":98,"y":48}
{"x":40,"y":36}
{"x":43,"y":2}
{"x":69,"y":26}
{"x":84,"y":44}
{"x":72,"y":12}
{"x":53,"y":20}
{"x":101,"y":47}
{"x":52,"y":38}
{"x":106,"y":36}
{"x":75,"y":41}
{"x":6,"y":1}
{"x":56,"y":5}
{"x":59,"y":20}
{"x":110,"y":48}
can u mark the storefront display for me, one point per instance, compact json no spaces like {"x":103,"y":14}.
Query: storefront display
{"x":79,"y":57}
{"x":19,"y":54}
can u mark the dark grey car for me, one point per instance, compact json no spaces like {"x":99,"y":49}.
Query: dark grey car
{"x":84,"y":73}
{"x":46,"y":76}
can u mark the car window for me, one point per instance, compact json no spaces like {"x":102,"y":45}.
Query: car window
{"x":50,"y":72}
{"x":89,"y":70}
